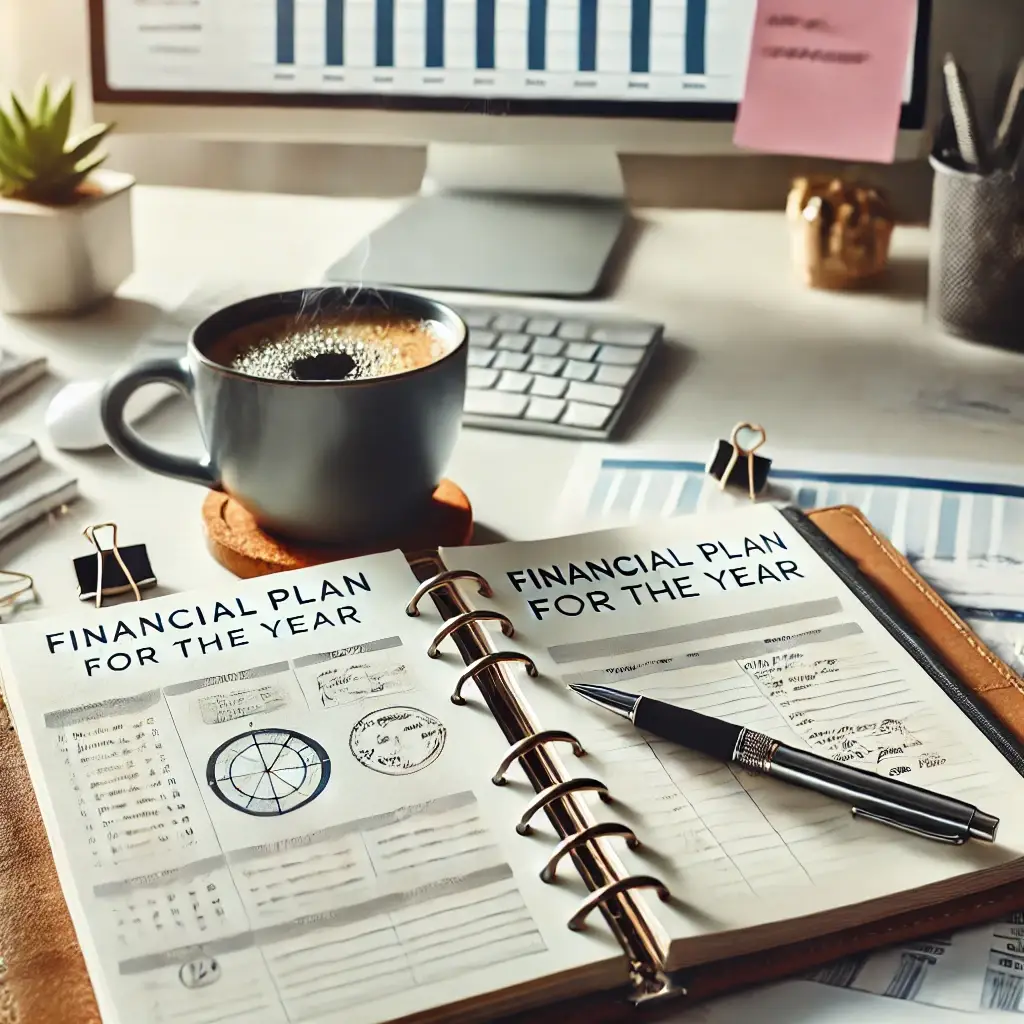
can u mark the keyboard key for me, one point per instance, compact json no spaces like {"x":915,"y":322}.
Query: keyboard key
{"x":574,"y":330}
{"x":512,"y":381}
{"x":549,"y":366}
{"x":585,"y":350}
{"x":546,"y":410}
{"x":617,"y":356}
{"x":515,"y":342}
{"x":576,"y":370}
{"x":482,"y":339}
{"x":478,"y":377}
{"x":495,"y":403}
{"x":511,"y":361}
{"x":483,"y":357}
{"x":580,"y":415}
{"x":635,"y":335}
{"x":542,"y":326}
{"x":596,"y":394}
{"x":547,"y":347}
{"x":508,"y":322}
{"x":477,"y":317}
{"x":619,"y":376}
{"x":549,"y":387}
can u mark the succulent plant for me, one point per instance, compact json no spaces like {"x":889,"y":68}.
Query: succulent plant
{"x":38,"y":162}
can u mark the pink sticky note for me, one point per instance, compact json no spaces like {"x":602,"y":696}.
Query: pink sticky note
{"x":826,"y":79}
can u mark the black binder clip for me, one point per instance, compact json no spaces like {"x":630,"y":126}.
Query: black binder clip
{"x":725,"y":463}
{"x":112,"y":571}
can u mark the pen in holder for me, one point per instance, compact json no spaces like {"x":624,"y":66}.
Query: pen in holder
{"x":976,"y":263}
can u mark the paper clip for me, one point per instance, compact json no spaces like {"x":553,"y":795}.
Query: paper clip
{"x":113,"y":570}
{"x":26,"y":585}
{"x":757,"y":465}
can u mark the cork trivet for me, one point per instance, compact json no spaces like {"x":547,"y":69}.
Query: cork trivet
{"x":242,"y":547}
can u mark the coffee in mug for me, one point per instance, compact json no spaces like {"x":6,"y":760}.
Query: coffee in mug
{"x":354,"y":346}
{"x":329,"y":414}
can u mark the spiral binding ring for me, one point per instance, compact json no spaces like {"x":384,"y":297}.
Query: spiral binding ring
{"x":440,"y":580}
{"x":560,"y":789}
{"x":487,"y":661}
{"x":528,"y":743}
{"x":578,"y":920}
{"x":567,"y":845}
{"x":458,"y":621}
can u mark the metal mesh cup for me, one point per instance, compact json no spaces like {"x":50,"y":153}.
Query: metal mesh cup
{"x":976,"y":269}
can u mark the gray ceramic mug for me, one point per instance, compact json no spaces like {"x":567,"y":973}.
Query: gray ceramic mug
{"x":349,"y":461}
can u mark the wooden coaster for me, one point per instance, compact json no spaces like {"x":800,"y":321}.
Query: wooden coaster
{"x":242,"y":547}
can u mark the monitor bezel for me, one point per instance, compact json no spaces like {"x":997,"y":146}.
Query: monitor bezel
{"x":912,"y":113}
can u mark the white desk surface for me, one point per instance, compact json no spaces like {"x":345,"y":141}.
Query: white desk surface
{"x":746,"y":340}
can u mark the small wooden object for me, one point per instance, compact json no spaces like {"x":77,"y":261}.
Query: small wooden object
{"x":839,"y":232}
{"x":235,"y":540}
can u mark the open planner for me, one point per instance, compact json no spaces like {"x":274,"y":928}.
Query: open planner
{"x":363,"y":791}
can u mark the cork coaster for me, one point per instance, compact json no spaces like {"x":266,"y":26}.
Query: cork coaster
{"x":242,"y":547}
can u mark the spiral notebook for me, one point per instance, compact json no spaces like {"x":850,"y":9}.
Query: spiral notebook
{"x":363,"y":791}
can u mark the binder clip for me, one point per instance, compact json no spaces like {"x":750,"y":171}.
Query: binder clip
{"x":725,"y":464}
{"x":23,"y":584}
{"x":112,"y":571}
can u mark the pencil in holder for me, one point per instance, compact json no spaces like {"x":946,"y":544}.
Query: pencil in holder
{"x":976,"y":262}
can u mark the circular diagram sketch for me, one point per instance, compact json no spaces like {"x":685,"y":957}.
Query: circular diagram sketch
{"x":268,"y":771}
{"x":397,"y":741}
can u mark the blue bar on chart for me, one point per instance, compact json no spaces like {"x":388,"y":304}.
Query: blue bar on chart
{"x":435,"y":34}
{"x":285,"y":31}
{"x":640,"y":37}
{"x":536,"y":35}
{"x":334,"y":28}
{"x":588,"y":35}
{"x":696,"y":36}
{"x":385,"y":24}
{"x":485,"y":34}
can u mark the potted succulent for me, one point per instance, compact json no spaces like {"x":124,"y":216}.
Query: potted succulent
{"x":65,"y":224}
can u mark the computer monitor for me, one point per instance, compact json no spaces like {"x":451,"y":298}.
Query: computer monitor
{"x":523,"y":104}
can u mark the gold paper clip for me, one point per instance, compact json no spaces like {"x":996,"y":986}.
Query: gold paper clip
{"x":753,"y":484}
{"x":25,"y":585}
{"x":97,"y":577}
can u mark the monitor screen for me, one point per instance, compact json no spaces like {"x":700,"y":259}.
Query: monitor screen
{"x":640,"y":58}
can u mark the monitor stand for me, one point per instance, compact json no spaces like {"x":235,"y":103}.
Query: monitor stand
{"x":522,"y":220}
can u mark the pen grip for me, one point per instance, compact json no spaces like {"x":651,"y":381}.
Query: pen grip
{"x":691,"y":729}
{"x":910,"y":805}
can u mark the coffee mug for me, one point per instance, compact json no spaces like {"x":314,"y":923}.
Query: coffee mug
{"x":320,"y":461}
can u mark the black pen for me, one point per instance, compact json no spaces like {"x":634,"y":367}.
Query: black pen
{"x":872,"y":796}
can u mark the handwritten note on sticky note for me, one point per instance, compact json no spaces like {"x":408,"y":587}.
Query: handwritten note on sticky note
{"x":826,"y":79}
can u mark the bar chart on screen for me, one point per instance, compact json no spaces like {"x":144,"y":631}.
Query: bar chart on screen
{"x":643,"y":49}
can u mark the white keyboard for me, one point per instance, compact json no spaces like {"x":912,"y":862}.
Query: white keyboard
{"x":565,"y":375}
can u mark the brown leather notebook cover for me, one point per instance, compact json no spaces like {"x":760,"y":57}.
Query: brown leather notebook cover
{"x":43,"y":979}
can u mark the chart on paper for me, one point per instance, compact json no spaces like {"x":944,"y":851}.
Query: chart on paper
{"x":964,"y":533}
{"x":610,"y":49}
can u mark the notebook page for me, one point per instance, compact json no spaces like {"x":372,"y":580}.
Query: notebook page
{"x":739,"y":619}
{"x":264,"y":806}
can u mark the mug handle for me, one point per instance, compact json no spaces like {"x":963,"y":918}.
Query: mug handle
{"x":126,"y":442}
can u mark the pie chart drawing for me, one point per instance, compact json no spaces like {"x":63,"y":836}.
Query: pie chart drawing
{"x":268,"y":771}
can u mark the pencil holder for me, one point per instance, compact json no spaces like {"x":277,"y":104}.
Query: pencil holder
{"x":976,"y":263}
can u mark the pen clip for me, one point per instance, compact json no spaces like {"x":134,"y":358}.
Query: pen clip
{"x":940,"y":837}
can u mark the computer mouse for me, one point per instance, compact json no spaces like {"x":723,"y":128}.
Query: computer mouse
{"x":73,"y":415}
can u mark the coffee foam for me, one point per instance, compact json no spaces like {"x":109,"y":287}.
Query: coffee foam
{"x":355,"y":346}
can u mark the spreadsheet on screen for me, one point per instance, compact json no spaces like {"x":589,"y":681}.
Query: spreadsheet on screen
{"x":692,"y":51}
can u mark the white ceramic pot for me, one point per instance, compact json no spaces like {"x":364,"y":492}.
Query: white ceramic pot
{"x":63,"y":259}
